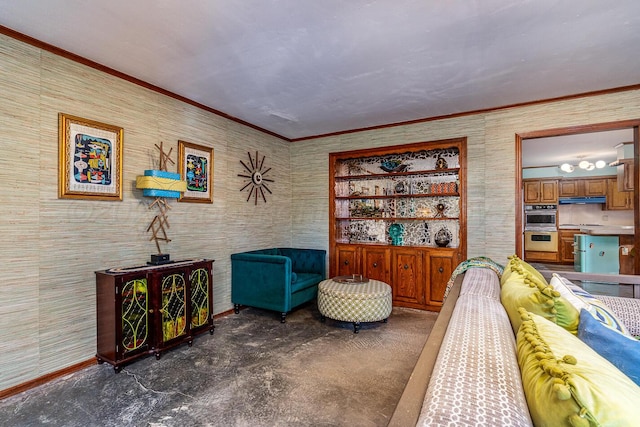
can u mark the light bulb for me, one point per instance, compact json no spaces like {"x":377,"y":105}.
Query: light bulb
{"x":583,"y":164}
{"x":566,"y":167}
{"x":600,"y":164}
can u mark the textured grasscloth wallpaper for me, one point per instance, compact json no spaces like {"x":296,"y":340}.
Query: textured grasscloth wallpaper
{"x":50,"y":247}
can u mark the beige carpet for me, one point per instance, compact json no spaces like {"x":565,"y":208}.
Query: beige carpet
{"x":254,"y":371}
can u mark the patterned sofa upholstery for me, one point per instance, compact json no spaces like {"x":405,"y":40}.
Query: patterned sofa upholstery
{"x":467,"y":373}
{"x":278,"y":279}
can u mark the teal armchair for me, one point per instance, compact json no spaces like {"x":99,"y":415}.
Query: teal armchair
{"x":277,"y":279}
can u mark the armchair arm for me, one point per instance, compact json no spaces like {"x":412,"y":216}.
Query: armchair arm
{"x":261,"y":280}
{"x":626,"y":309}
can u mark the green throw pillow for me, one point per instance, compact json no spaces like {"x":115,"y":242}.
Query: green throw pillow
{"x":522,"y":289}
{"x":516,"y":264}
{"x":566,"y":383}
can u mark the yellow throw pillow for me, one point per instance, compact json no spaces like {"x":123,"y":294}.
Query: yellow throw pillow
{"x":566,"y":383}
{"x":522,"y":289}
{"x":516,"y":264}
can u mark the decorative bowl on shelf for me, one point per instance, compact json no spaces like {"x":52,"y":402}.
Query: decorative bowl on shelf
{"x":393,"y":166}
{"x":443,"y":237}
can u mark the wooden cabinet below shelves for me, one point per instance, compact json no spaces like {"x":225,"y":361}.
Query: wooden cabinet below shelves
{"x":346,"y":261}
{"x":375,"y":263}
{"x":439,"y":268}
{"x":418,"y":276}
{"x":408,"y":277}
{"x":540,"y":191}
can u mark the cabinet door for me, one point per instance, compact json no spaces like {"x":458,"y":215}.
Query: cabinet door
{"x":549,"y":191}
{"x":408,"y":277}
{"x":568,"y":188}
{"x":375,"y":262}
{"x":134,"y":305}
{"x":625,"y":175}
{"x":566,"y":246}
{"x":439,"y":266}
{"x":617,"y":200}
{"x":173,"y":296}
{"x":532,"y":191}
{"x":200,"y":289}
{"x":346,"y":261}
{"x":595,"y":187}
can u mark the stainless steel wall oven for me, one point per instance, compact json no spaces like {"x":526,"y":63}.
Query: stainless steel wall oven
{"x":540,"y":217}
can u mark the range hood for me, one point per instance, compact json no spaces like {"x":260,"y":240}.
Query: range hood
{"x":582,"y":200}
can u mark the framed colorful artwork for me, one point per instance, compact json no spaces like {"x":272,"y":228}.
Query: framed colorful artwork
{"x":89,"y":159}
{"x":196,"y":167}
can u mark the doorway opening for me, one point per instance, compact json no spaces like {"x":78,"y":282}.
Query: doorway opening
{"x":556,"y":170}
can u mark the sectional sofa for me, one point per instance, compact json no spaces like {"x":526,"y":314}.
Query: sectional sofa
{"x":510,"y":348}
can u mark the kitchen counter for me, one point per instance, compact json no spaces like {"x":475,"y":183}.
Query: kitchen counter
{"x":600,"y":230}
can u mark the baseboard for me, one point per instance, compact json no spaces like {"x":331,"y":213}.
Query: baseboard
{"x":46,"y":378}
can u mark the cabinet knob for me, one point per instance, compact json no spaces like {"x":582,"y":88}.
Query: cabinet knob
{"x":346,"y":262}
{"x":440,"y":270}
{"x":375,"y":264}
{"x":406,"y":267}
{"x":151,"y":311}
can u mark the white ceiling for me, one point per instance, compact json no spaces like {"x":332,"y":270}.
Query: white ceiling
{"x":302,"y":68}
{"x":594,"y":146}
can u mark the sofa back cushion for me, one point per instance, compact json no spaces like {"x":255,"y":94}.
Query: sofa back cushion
{"x":476,"y":379}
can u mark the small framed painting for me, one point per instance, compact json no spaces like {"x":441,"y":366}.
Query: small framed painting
{"x":196,"y":168}
{"x":89,"y":159}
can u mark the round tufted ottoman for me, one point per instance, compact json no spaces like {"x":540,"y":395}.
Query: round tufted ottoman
{"x":354,"y":302}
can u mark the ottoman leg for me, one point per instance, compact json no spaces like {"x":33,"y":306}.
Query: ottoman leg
{"x":323,"y":318}
{"x":283,"y":317}
{"x":385,"y":320}
{"x":356,"y":327}
{"x":236,"y":308}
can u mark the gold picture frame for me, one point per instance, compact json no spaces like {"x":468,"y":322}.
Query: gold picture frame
{"x":89,"y":159}
{"x":196,"y":168}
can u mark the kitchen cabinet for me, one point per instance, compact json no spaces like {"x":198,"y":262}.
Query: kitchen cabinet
{"x":540,"y":191}
{"x":616,"y":199}
{"x":539,"y":256}
{"x":567,"y":245}
{"x":627,"y":254}
{"x":625,"y":175}
{"x":582,"y":187}
{"x":149,"y":309}
{"x":395,"y":213}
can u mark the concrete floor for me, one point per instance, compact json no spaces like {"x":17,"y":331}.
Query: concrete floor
{"x":252,"y":371}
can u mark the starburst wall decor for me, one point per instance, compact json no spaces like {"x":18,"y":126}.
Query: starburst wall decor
{"x":257,"y":181}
